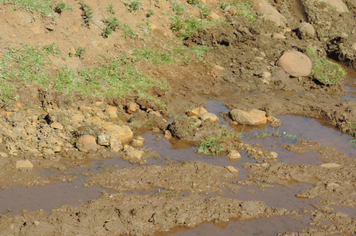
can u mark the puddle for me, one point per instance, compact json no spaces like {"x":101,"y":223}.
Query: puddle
{"x":13,"y":201}
{"x":347,"y":210}
{"x":261,"y":226}
{"x":306,"y":129}
{"x":277,"y":196}
{"x":350,"y":85}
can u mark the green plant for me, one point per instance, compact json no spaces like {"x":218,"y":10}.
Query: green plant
{"x":52,"y":49}
{"x":244,"y":9}
{"x":325,"y":71}
{"x":176,"y":7}
{"x":71,"y":54}
{"x":212,"y":146}
{"x":61,"y":6}
{"x":150,"y":13}
{"x":157,"y":57}
{"x":80,"y":52}
{"x":205,"y":11}
{"x":134,"y":5}
{"x":110,"y":9}
{"x":111,"y":23}
{"x":128,"y":31}
{"x":87,"y":14}
{"x":44,"y":7}
{"x":194,"y":2}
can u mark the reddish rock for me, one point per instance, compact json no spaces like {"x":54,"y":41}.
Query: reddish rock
{"x":295,"y":63}
{"x":87,"y":143}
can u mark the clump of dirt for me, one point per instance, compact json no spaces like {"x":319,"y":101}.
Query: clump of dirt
{"x":194,"y":177}
{"x":136,"y":215}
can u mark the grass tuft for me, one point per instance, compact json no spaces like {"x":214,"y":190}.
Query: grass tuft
{"x":212,"y":146}
{"x":326,"y":72}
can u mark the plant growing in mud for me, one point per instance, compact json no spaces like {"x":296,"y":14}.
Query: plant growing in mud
{"x":80,"y":52}
{"x":134,"y":5}
{"x":325,"y":71}
{"x":111,"y":23}
{"x":61,"y":6}
{"x":87,"y":14}
{"x":212,"y":146}
{"x":110,"y":9}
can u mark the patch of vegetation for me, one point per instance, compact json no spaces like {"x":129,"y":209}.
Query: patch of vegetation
{"x":168,"y":194}
{"x":195,"y":2}
{"x":52,"y":49}
{"x":150,"y":13}
{"x":80,"y":52}
{"x":111,"y":23}
{"x":177,"y":8}
{"x":186,"y":27}
{"x":128,"y":31}
{"x":244,"y":9}
{"x":44,"y":7}
{"x":274,"y":133}
{"x":87,"y":14}
{"x":157,"y":57}
{"x":110,"y":9}
{"x":212,"y":146}
{"x":134,"y":5}
{"x":325,"y":71}
{"x":116,"y":78}
{"x":61,"y":6}
{"x":205,"y":11}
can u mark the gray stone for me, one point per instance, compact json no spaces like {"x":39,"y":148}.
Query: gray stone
{"x":295,"y":63}
{"x":103,"y":140}
{"x":306,"y":30}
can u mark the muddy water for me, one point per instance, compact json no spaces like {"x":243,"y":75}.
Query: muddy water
{"x":261,"y":226}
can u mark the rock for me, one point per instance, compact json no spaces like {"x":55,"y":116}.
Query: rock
{"x":353,"y":46}
{"x":24,"y":164}
{"x":50,"y":27}
{"x":57,"y":125}
{"x":214,"y":16}
{"x":253,"y":117}
{"x":131,"y":107}
{"x":306,"y":30}
{"x":87,"y":143}
{"x":138,"y":142}
{"x":3,"y":154}
{"x":210,"y":116}
{"x":330,"y":165}
{"x":112,"y":111}
{"x":278,"y":36}
{"x":295,"y":63}
{"x":269,"y":12}
{"x":48,"y":152}
{"x":274,"y":155}
{"x":339,"y":5}
{"x":103,"y":140}
{"x":199,"y":111}
{"x":167,"y":135}
{"x":132,"y":154}
{"x":57,"y":149}
{"x":275,"y":122}
{"x":332,"y":186}
{"x":233,"y":156}
{"x":123,"y":132}
{"x":78,"y":118}
{"x":115,"y":144}
{"x":232,"y":169}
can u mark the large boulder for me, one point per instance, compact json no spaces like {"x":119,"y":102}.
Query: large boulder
{"x":87,"y":143}
{"x":295,"y":63}
{"x":253,"y":117}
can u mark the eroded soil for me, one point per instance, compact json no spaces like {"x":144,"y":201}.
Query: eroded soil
{"x":139,"y":153}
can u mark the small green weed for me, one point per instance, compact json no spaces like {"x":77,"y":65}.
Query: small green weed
{"x":244,"y":9}
{"x":128,"y":31}
{"x":61,"y":6}
{"x":205,"y":11}
{"x":157,"y":57}
{"x":178,"y":8}
{"x":80,"y":52}
{"x":326,"y":72}
{"x":111,"y":23}
{"x":212,"y":146}
{"x":110,"y":9}
{"x":71,"y":54}
{"x":44,"y":7}
{"x":52,"y":49}
{"x":195,"y":2}
{"x":134,"y":5}
{"x":150,"y":13}
{"x":87,"y":14}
